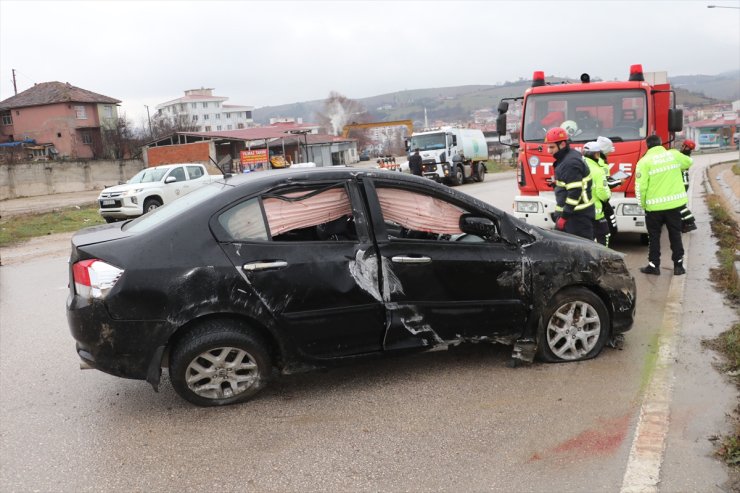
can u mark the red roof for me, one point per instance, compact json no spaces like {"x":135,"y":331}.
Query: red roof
{"x":718,"y":122}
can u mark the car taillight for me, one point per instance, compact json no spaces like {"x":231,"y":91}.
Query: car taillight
{"x":94,"y":278}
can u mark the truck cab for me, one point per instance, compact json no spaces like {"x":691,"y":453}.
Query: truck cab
{"x":626,"y":112}
{"x":451,"y":155}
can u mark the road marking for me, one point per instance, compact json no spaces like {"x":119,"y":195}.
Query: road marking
{"x":648,"y":446}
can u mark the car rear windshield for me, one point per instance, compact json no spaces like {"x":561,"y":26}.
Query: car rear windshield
{"x":173,"y":209}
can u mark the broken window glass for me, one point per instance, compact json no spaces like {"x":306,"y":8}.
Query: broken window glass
{"x":414,"y":215}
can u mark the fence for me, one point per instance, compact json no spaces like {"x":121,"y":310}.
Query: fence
{"x":49,"y":177}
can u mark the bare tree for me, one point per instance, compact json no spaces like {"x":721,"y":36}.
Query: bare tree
{"x":163,"y":125}
{"x":119,"y":140}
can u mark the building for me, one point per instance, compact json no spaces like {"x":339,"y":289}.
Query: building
{"x":201,"y":111}
{"x":60,"y":117}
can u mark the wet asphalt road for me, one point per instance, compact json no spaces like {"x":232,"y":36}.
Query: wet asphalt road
{"x":457,"y":420}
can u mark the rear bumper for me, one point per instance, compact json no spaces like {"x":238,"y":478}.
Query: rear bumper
{"x":121,"y":348}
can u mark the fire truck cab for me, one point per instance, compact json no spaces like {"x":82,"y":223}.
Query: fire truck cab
{"x":626,"y":112}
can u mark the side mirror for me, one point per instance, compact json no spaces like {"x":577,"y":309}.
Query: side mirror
{"x":675,"y":120}
{"x":501,"y":124}
{"x":478,"y":226}
{"x":503,"y":107}
{"x":454,"y":140}
{"x":170,"y":179}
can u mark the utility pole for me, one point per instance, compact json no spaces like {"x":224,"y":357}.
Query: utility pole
{"x":15,"y":88}
{"x":150,"y":121}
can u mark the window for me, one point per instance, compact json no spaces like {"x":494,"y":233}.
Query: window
{"x":240,"y":125}
{"x":416,"y":216}
{"x":205,"y":117}
{"x":248,"y":114}
{"x":195,"y":172}
{"x":195,"y":118}
{"x":228,"y":116}
{"x":205,"y":105}
{"x":182,"y":107}
{"x":86,"y":138}
{"x":229,"y":127}
{"x":245,"y":221}
{"x":59,"y":135}
{"x":208,"y":128}
{"x":193,"y":105}
{"x":7,"y":118}
{"x":178,"y":173}
{"x":81,"y":112}
{"x":218,"y":116}
{"x":108,"y":111}
{"x":218,"y":127}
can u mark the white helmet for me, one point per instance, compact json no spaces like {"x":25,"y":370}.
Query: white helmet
{"x":571,"y":127}
{"x":606,"y":144}
{"x":591,"y":148}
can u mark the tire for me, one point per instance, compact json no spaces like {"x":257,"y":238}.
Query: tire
{"x":151,"y":204}
{"x":110,"y":219}
{"x":219,"y":363}
{"x":480,"y":172}
{"x":458,"y":178}
{"x":564,"y":334}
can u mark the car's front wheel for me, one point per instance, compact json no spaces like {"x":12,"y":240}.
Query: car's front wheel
{"x":151,"y":204}
{"x":574,"y":326}
{"x":219,"y":363}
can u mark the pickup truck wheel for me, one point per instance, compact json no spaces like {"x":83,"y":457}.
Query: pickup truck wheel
{"x":151,"y":204}
{"x":219,"y":363}
{"x":459,"y":176}
{"x":574,"y":326}
{"x":110,"y":219}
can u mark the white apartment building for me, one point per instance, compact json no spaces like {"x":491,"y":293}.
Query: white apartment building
{"x":206,"y":112}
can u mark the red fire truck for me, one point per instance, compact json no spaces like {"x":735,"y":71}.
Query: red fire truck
{"x":626,"y":112}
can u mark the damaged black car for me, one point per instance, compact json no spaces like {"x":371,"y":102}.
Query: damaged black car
{"x":283,"y":271}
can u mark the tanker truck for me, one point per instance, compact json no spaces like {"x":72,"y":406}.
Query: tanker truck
{"x":451,"y":155}
{"x":625,"y":111}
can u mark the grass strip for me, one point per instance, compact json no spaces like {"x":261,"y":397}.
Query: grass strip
{"x":20,"y":228}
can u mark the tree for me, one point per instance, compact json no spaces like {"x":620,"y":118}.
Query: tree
{"x":163,"y":125}
{"x":119,"y":140}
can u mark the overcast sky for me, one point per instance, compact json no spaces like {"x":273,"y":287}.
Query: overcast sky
{"x":269,"y":53}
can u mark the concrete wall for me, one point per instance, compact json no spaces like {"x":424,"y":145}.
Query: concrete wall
{"x":44,"y":178}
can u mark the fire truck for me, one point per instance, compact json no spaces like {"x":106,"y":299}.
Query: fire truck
{"x":625,"y":111}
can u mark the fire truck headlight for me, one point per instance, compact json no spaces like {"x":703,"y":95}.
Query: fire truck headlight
{"x":632,"y":210}
{"x":528,"y":207}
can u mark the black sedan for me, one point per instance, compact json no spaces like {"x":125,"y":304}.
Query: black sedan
{"x":295,"y":269}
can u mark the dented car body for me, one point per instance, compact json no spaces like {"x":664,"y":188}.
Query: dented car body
{"x":299,"y":269}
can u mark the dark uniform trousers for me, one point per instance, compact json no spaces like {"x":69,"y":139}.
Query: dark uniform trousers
{"x":580,"y":225}
{"x":654,"y":220}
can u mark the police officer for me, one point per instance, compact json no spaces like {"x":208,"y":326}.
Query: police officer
{"x":659,"y":188}
{"x":415,"y":163}
{"x":574,"y":205}
{"x":688,"y":222}
{"x":599,"y":190}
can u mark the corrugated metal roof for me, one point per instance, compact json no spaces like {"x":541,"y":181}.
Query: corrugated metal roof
{"x":52,"y":93}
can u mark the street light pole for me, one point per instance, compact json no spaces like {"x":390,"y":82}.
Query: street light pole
{"x":150,"y":121}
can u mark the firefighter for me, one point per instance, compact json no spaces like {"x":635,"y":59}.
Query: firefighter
{"x":688,"y":222}
{"x":599,"y":191}
{"x":660,"y":191}
{"x":574,"y":208}
{"x":606,"y":148}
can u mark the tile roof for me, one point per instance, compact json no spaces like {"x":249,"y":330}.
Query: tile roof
{"x":54,"y":92}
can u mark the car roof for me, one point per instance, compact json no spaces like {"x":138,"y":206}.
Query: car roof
{"x":329,"y":173}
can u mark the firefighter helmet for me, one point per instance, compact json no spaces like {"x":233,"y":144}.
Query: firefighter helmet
{"x":571,"y":127}
{"x":556,"y":134}
{"x":690,"y":144}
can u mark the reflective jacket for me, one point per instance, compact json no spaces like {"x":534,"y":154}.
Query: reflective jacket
{"x":659,"y":181}
{"x":572,"y":184}
{"x":599,"y":189}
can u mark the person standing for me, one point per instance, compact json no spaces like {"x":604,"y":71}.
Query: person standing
{"x":607,"y":147}
{"x":660,"y":191}
{"x":415,"y":163}
{"x":574,"y":205}
{"x":688,"y":222}
{"x":599,"y":191}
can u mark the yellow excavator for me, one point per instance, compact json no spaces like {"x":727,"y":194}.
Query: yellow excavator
{"x":354,"y":126}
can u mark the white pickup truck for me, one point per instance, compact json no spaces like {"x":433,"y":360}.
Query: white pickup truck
{"x":151,"y":188}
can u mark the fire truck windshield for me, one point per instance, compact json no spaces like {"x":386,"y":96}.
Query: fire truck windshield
{"x":619,"y":115}
{"x":428,"y":142}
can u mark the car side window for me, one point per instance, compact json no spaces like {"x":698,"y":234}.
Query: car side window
{"x":178,"y":173}
{"x":245,"y":221}
{"x":317,"y":214}
{"x":410,"y":215}
{"x":195,"y":172}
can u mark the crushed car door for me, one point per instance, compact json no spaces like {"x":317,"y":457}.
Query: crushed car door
{"x":443,"y":285}
{"x":296,"y":249}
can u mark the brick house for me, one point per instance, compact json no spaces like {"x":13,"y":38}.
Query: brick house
{"x":59,"y":114}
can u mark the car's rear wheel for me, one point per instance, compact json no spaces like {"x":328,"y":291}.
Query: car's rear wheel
{"x":574,"y":326}
{"x":151,"y":204}
{"x":219,"y":363}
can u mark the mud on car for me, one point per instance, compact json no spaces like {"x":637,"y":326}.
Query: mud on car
{"x":297,"y":269}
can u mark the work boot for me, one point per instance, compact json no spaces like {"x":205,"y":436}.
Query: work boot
{"x":650,"y":269}
{"x":678,"y":269}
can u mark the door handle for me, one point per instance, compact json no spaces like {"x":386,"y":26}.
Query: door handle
{"x":403,"y":259}
{"x":277,"y":264}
